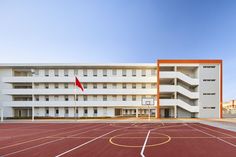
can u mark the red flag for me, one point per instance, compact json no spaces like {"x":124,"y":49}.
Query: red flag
{"x":77,"y":83}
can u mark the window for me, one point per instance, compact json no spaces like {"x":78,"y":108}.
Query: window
{"x":133,"y":97}
{"x":46,"y":98}
{"x":209,"y":107}
{"x":95,"y":111}
{"x":95,"y":98}
{"x":143,"y":85}
{"x":209,"y":66}
{"x":104,"y":98}
{"x":123,"y":72}
{"x":66,"y":72}
{"x":209,"y":80}
{"x":56,"y":72}
{"x":46,"y":85}
{"x":36,"y":85}
{"x":56,"y":110}
{"x":76,"y":98}
{"x":36,"y":72}
{"x":66,"y":85}
{"x":85,"y":72}
{"x":95,"y":72}
{"x":133,"y":72}
{"x":76,"y":111}
{"x":105,"y":86}
{"x":47,"y":110}
{"x":153,"y":72}
{"x":66,"y":98}
{"x":56,"y":97}
{"x":75,"y":72}
{"x":133,"y":85}
{"x":114,"y":85}
{"x":123,"y":97}
{"x":95,"y":86}
{"x":124,"y":85}
{"x":46,"y":72}
{"x":56,"y":85}
{"x":66,"y":110}
{"x":85,"y":85}
{"x":114,"y":72}
{"x":85,"y":111}
{"x":104,"y":72}
{"x":209,"y":93}
{"x":153,"y":85}
{"x":85,"y":97}
{"x":143,"y":72}
{"x":36,"y":98}
{"x":113,"y":97}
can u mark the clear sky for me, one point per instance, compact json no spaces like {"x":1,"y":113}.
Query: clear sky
{"x":108,"y":31}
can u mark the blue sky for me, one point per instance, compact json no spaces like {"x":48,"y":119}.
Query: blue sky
{"x":107,"y":31}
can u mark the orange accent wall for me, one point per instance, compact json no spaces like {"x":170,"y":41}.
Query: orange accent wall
{"x":184,"y":61}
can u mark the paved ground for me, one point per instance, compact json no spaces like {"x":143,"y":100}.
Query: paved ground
{"x":166,"y":138}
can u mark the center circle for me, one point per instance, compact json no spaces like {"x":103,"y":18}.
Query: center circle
{"x":139,"y":135}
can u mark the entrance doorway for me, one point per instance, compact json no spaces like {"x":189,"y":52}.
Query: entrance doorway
{"x":167,"y":113}
{"x":22,"y":112}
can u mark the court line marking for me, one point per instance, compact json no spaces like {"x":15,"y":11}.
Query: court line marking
{"x":215,"y":130}
{"x":16,"y":144}
{"x":35,"y":146}
{"x":144,"y":144}
{"x":213,"y":136}
{"x":90,"y":141}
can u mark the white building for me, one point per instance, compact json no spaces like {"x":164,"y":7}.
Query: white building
{"x":180,"y":88}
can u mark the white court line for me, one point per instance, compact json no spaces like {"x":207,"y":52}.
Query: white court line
{"x":212,"y":136}
{"x":47,"y":142}
{"x":144,"y":144}
{"x":79,"y":146}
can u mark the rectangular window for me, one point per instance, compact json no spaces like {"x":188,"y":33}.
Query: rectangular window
{"x":104,"y":98}
{"x":153,"y":72}
{"x":56,"y":85}
{"x":46,"y":98}
{"x":114,"y":97}
{"x":133,"y":72}
{"x":85,"y":111}
{"x":56,"y":110}
{"x":105,"y":86}
{"x":209,"y":66}
{"x":123,"y":97}
{"x":95,"y":98}
{"x":208,"y":107}
{"x":114,"y":85}
{"x":46,"y":85}
{"x":66,"y":110}
{"x":85,"y":98}
{"x":114,"y":72}
{"x":56,"y":72}
{"x":133,"y":97}
{"x":85,"y":72}
{"x":133,"y":85}
{"x":47,"y":111}
{"x":104,"y":72}
{"x":153,"y":85}
{"x":143,"y":85}
{"x":36,"y":85}
{"x":56,"y":97}
{"x":46,"y":72}
{"x":143,"y":72}
{"x":95,"y":72}
{"x":209,"y":80}
{"x":66,"y":98}
{"x":209,"y":93}
{"x":123,"y":72}
{"x":85,"y":85}
{"x":66,"y":72}
{"x":95,"y":86}
{"x":124,"y":85}
{"x":65,"y":85}
{"x":36,"y":98}
{"x":75,"y":72}
{"x":95,"y":111}
{"x":36,"y":72}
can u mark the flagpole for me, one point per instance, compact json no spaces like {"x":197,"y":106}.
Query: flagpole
{"x":75,"y":97}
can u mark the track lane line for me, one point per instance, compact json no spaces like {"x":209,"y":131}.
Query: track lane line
{"x":144,"y":144}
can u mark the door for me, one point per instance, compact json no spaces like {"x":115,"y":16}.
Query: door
{"x":167,"y":113}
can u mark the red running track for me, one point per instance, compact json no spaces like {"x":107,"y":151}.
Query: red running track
{"x":115,"y":140}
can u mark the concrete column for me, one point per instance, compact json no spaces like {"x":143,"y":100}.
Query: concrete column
{"x":136,"y":112}
{"x":1,"y":114}
{"x":32,"y":113}
{"x":175,"y":111}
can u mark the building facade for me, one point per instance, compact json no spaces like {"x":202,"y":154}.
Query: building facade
{"x":178,"y":88}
